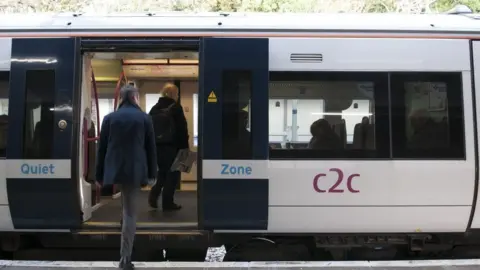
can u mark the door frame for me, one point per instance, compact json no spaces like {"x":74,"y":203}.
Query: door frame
{"x":474,"y":219}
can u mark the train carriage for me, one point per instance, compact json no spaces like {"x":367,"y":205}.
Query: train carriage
{"x":330,"y":131}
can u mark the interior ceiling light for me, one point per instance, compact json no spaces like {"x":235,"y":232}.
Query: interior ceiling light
{"x":145,"y":61}
{"x":183,"y":61}
{"x":160,"y":61}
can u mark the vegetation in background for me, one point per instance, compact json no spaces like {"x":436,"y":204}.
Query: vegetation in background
{"x":315,"y":6}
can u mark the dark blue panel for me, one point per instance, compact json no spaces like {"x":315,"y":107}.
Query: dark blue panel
{"x":259,"y":107}
{"x":210,"y":113}
{"x":236,"y":204}
{"x":44,"y":76}
{"x":236,"y":70}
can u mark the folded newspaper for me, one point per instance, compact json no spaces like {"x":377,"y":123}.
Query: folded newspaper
{"x":184,"y":161}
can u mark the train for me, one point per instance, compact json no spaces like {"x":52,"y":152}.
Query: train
{"x":318,"y":136}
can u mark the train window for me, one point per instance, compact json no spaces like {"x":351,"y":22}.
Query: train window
{"x":427,"y":115}
{"x":39,"y":114}
{"x":106,"y":106}
{"x":236,"y":133}
{"x":4,"y":87}
{"x":150,"y":101}
{"x":328,"y":115}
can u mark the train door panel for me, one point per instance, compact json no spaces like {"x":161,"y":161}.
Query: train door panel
{"x":233,"y":135}
{"x":42,"y":193}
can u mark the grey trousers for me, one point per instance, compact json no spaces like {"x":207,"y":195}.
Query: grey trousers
{"x":129,"y":216}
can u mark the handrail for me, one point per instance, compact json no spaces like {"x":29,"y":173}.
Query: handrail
{"x":115,"y":105}
{"x":95,"y":93}
{"x":86,"y":128}
{"x":87,"y":139}
{"x":117,"y":90}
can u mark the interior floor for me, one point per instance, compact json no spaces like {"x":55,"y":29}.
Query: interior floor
{"x":111,"y":211}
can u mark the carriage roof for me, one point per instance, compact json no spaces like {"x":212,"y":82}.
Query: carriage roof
{"x":172,"y":21}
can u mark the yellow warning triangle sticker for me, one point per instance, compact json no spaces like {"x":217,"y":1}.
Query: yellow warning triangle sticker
{"x":212,"y":98}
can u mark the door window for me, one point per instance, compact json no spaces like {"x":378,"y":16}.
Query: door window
{"x":39,"y":114}
{"x":236,"y":131}
{"x":4,"y":87}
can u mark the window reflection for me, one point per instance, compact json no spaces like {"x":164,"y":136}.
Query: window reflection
{"x":295,"y":106}
{"x":427,"y":115}
{"x":39,"y":116}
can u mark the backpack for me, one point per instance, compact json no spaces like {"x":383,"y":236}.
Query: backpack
{"x":164,"y":125}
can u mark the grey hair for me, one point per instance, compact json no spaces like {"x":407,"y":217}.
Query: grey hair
{"x":127,"y":92}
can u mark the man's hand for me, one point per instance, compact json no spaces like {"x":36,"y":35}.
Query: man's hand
{"x":98,"y":185}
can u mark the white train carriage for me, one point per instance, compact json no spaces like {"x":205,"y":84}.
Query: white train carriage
{"x":394,"y":149}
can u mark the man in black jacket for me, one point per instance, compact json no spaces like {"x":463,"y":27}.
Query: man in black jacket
{"x":126,"y":157}
{"x":167,"y":151}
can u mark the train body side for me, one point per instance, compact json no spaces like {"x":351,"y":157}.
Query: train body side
{"x":386,"y":194}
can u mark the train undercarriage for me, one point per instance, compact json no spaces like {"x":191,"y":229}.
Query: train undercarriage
{"x":193,"y":246}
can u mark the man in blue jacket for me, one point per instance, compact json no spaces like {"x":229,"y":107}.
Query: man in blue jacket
{"x":127,"y":158}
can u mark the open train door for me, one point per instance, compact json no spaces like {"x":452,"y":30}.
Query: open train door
{"x":233,"y":135}
{"x":44,"y":84}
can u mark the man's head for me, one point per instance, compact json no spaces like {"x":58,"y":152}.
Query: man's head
{"x":170,"y":90}
{"x":129,"y":93}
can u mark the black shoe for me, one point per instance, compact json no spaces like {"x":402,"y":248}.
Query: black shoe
{"x":172,"y":207}
{"x":126,"y":265}
{"x":152,"y":202}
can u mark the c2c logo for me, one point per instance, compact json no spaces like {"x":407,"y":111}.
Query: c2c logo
{"x":334,"y":188}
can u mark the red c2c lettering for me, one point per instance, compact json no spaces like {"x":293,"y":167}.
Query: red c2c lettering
{"x":335,"y":187}
{"x":315,"y":183}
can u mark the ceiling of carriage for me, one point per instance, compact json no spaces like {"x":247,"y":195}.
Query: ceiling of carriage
{"x":147,"y":66}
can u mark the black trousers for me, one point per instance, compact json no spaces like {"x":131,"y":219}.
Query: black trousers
{"x":166,"y":180}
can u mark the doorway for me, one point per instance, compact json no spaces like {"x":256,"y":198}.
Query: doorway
{"x":103,"y":75}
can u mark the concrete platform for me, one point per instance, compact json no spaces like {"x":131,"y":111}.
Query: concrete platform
{"x":394,"y":265}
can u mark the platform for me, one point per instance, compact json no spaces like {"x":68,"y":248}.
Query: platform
{"x":394,"y":265}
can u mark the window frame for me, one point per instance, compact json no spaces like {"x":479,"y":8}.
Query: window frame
{"x":455,"y":109}
{"x":381,"y":114}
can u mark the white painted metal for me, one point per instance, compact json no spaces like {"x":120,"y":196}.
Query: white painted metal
{"x":38,"y":168}
{"x":5,"y":53}
{"x":6,"y":223}
{"x":241,"y":21}
{"x":476,"y":75}
{"x":365,"y":54}
{"x":84,"y":187}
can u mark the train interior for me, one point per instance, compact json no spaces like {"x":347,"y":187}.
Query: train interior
{"x":103,"y":75}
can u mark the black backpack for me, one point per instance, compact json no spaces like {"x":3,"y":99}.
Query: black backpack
{"x":164,"y":125}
